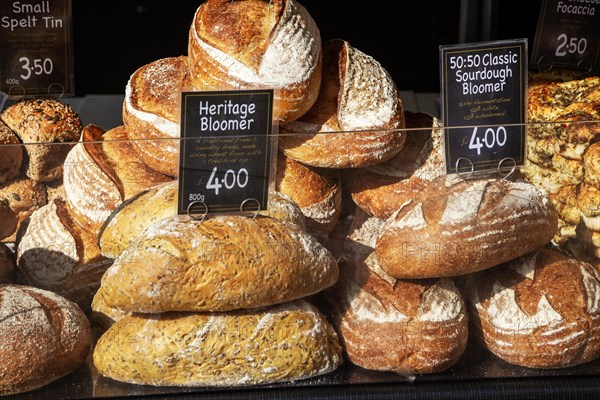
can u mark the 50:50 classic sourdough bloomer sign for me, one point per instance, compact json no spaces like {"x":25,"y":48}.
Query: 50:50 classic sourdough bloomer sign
{"x":37,"y":54}
{"x":225,"y":150}
{"x":483,"y":105}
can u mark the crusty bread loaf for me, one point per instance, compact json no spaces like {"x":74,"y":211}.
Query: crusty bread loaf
{"x":250,"y":44}
{"x":287,"y":342}
{"x":8,"y":220}
{"x":219,"y":264}
{"x":103,"y":316}
{"x":357,"y":120}
{"x":23,"y":196}
{"x":151,"y":111}
{"x":318,"y":193}
{"x":42,"y":338}
{"x":56,"y":254}
{"x":136,"y":214}
{"x":11,"y":153}
{"x":106,"y":162}
{"x":539,"y":311}
{"x":465,"y":227}
{"x":383,"y":188}
{"x":591,"y":160}
{"x":44,"y":121}
{"x":588,"y":201}
{"x":7,"y":265}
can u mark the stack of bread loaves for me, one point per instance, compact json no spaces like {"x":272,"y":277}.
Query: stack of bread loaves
{"x":561,"y":114}
{"x":221,"y":304}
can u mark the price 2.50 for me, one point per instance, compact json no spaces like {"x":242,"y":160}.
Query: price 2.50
{"x":490,"y":139}
{"x":37,"y":66}
{"x":230,"y":180}
{"x":570,"y":45}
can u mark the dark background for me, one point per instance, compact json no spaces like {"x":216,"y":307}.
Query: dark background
{"x":113,"y":38}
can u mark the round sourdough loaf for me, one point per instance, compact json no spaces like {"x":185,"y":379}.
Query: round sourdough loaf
{"x":11,"y":153}
{"x":317,"y":192}
{"x":287,"y":342}
{"x":47,"y":121}
{"x":23,"y":196}
{"x":383,"y":188}
{"x":254,"y":44}
{"x":56,"y":254}
{"x":106,"y":162}
{"x":358,"y":118}
{"x":223,"y":263}
{"x":458,"y":227}
{"x":42,"y":338}
{"x":136,"y":214}
{"x":7,"y":265}
{"x":151,"y":111}
{"x":539,"y":311}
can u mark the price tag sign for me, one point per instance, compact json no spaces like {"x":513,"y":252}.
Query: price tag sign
{"x":37,"y":54}
{"x":225,"y":155}
{"x":483,"y":88}
{"x":567,"y":36}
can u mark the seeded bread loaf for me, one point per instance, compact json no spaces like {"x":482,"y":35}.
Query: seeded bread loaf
{"x":23,"y":196}
{"x":11,"y":153}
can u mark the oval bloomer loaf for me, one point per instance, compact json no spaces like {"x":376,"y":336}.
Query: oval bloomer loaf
{"x":222,"y":263}
{"x":358,"y":118}
{"x":151,"y":111}
{"x":460,"y":227}
{"x":249,"y":44}
{"x":541,"y":310}
{"x":42,"y":338}
{"x":286,"y":342}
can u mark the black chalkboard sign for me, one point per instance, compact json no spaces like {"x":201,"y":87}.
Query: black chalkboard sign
{"x":225,"y":150}
{"x":483,"y":89}
{"x":37,"y":53}
{"x":567,"y":36}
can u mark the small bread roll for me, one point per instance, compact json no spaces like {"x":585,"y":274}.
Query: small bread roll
{"x":357,"y":120}
{"x":465,"y":226}
{"x":591,"y":161}
{"x":23,"y":196}
{"x":588,"y":200}
{"x":539,"y":311}
{"x":7,"y":265}
{"x":44,"y":121}
{"x":43,"y":337}
{"x":317,"y":192}
{"x":11,"y":153}
{"x":54,"y":253}
{"x":106,"y":162}
{"x":287,"y":342}
{"x":151,"y":111}
{"x":216,"y":265}
{"x":254,"y":44}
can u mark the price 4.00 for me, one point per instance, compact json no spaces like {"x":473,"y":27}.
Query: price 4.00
{"x":230,"y":180}
{"x":36,"y":66}
{"x":491,"y":138}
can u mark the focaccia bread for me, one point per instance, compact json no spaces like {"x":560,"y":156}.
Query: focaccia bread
{"x":223,"y":263}
{"x":136,"y":214}
{"x":48,"y":121}
{"x":151,"y":111}
{"x":102,"y":171}
{"x":465,"y":226}
{"x":255,"y":44}
{"x":42,"y":338}
{"x":54,"y":253}
{"x":287,"y":342}
{"x":11,"y":153}
{"x":357,"y":120}
{"x":539,"y":311}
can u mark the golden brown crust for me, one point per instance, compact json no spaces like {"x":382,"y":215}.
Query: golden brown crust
{"x":9,"y":220}
{"x":540,"y":311}
{"x":283,"y":343}
{"x":7,"y":265}
{"x":44,"y":121}
{"x":11,"y":153}
{"x":214,"y":265}
{"x":43,"y":335}
{"x":23,"y":196}
{"x":465,"y":227}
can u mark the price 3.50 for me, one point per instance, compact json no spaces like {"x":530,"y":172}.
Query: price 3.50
{"x":37,"y":66}
{"x":230,"y":180}
{"x":491,"y":138}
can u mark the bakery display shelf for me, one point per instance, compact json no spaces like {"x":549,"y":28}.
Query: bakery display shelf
{"x":477,"y":375}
